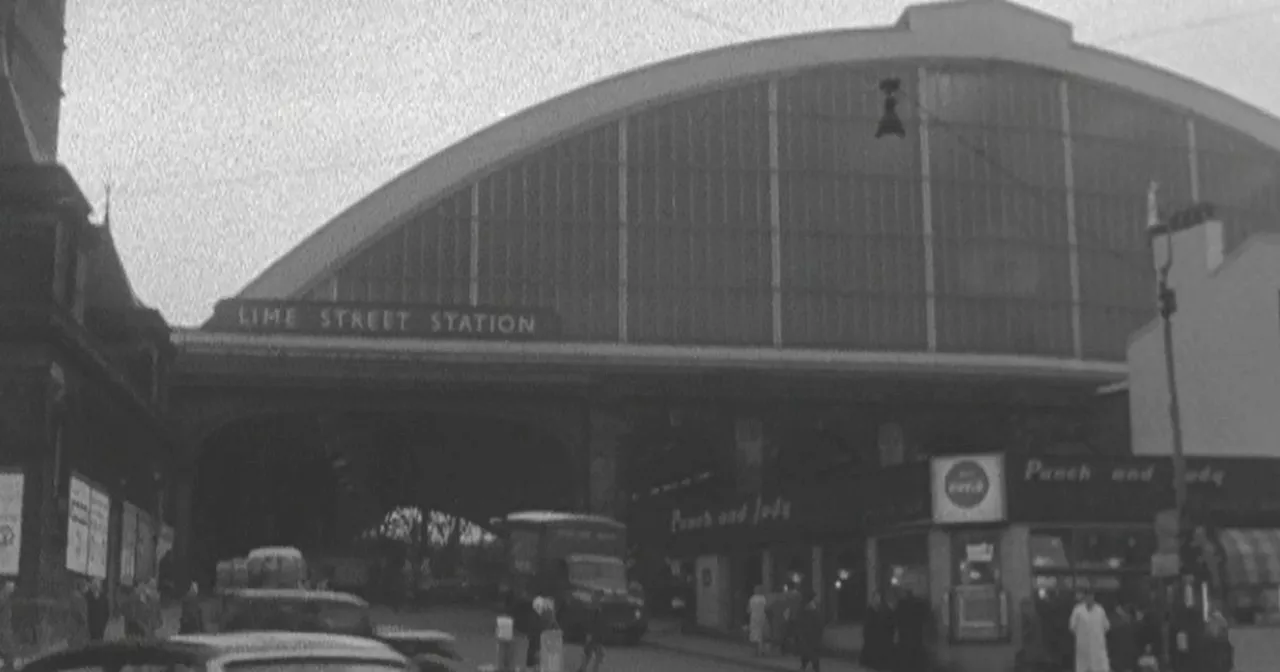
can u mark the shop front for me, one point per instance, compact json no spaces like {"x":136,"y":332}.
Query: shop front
{"x":1010,"y":541}
{"x":774,"y":541}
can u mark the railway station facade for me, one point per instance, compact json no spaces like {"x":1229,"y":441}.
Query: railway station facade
{"x":704,"y":297}
{"x":750,"y":323}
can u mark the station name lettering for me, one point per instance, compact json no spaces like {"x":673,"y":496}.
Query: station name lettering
{"x":1038,"y":471}
{"x":386,"y":321}
{"x":749,"y":513}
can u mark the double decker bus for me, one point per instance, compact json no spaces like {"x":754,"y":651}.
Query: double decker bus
{"x":577,"y":560}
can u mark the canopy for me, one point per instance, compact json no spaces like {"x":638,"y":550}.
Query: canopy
{"x":1252,"y":557}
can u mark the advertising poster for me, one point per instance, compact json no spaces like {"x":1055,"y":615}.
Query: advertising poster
{"x":78,"y":504}
{"x":11,"y":490}
{"x":144,"y":564}
{"x":128,"y":542}
{"x":99,"y":533}
{"x":968,"y":489}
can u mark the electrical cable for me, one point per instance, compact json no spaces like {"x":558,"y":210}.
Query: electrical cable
{"x":149,"y":188}
{"x":937,"y":121}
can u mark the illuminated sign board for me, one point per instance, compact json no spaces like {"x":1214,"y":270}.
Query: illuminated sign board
{"x":384,"y":320}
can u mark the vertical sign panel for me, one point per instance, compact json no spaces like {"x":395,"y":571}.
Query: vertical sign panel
{"x":11,"y":491}
{"x":79,"y":501}
{"x":128,"y":542}
{"x":99,"y":533}
{"x":144,"y":565}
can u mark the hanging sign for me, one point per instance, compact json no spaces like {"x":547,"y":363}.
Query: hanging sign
{"x":11,"y":491}
{"x":79,"y":501}
{"x":968,"y":489}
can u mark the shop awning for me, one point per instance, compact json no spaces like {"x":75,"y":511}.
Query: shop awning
{"x":1252,"y":556}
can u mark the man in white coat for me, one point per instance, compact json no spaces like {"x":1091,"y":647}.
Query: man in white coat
{"x":1089,"y":624}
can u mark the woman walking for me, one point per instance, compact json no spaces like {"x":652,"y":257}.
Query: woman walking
{"x":758,"y":620}
{"x":809,"y":627}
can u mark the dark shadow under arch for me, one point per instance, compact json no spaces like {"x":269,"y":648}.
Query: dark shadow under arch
{"x":316,"y":480}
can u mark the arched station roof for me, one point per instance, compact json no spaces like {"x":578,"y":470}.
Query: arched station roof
{"x":966,"y":29}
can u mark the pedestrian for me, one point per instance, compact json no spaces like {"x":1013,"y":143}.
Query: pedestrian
{"x":97,"y":611}
{"x":1089,"y":625}
{"x":8,"y":640}
{"x":877,"y":635}
{"x":594,"y":631}
{"x":191,"y":620}
{"x":808,"y":630}
{"x":135,"y":612}
{"x":911,"y":623}
{"x":758,"y":619}
{"x":541,"y":620}
{"x":1122,"y":641}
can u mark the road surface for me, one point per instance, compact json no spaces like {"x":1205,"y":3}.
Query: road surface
{"x":474,"y":629}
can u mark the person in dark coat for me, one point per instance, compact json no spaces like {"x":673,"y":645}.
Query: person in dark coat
{"x":809,"y":625}
{"x":911,"y":620}
{"x":877,"y":635}
{"x":97,"y":611}
{"x":594,"y":632}
{"x":1122,"y":641}
{"x":8,"y":638}
{"x":191,"y":620}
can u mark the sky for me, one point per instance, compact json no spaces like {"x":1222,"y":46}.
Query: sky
{"x":231,"y":129}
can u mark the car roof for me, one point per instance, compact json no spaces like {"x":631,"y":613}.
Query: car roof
{"x":275,"y":550}
{"x":196,"y":649}
{"x":545,"y":517}
{"x":297,"y":594}
{"x":407,"y":634}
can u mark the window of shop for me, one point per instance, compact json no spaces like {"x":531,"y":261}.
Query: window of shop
{"x":846,"y":571}
{"x":792,"y":567}
{"x":903,"y":564}
{"x":977,"y":558}
{"x":1112,"y":563}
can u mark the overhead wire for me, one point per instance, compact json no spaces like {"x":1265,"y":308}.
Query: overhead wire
{"x":152,"y":187}
{"x":939,"y":121}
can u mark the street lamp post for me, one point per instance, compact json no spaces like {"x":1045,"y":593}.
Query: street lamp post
{"x":1167,"y":303}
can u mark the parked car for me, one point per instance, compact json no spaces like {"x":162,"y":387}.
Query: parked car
{"x":237,"y":652}
{"x":430,"y":650}
{"x":294,"y":610}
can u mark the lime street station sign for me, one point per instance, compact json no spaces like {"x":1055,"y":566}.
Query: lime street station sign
{"x":383,"y":320}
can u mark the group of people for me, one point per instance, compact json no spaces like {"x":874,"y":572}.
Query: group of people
{"x":895,"y":633}
{"x":1129,"y":640}
{"x":794,"y":626}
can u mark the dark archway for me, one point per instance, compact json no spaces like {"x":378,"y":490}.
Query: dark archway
{"x":316,"y":481}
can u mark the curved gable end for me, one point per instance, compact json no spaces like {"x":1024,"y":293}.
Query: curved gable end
{"x":740,"y":197}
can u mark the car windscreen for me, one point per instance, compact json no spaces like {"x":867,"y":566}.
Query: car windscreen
{"x":608,"y":574}
{"x":296,"y":616}
{"x":312,"y":665}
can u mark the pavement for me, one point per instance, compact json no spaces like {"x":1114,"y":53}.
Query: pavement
{"x":665,"y":648}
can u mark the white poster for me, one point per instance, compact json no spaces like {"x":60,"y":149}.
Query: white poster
{"x":79,"y":502}
{"x":11,"y":490}
{"x":144,"y":564}
{"x":968,"y":489}
{"x":128,"y":542}
{"x":99,"y":533}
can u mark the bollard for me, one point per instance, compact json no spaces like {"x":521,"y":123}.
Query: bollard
{"x":552,"y":659}
{"x":506,"y":648}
